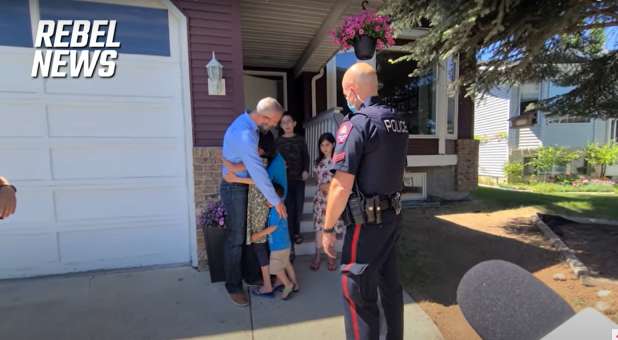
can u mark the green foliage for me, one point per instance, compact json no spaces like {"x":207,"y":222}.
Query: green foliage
{"x":481,"y":138}
{"x":555,"y":187}
{"x":520,"y":41}
{"x":547,"y":157}
{"x":502,"y":135}
{"x":602,"y":155}
{"x":514,"y":172}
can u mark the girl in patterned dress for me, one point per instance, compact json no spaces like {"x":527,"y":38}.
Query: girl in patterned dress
{"x":321,"y":169}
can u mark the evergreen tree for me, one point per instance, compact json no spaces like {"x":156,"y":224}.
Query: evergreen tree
{"x":514,"y":41}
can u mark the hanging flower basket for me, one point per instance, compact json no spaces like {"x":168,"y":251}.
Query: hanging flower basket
{"x":365,"y":32}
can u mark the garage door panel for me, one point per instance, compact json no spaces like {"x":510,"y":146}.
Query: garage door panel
{"x":22,"y":120}
{"x":25,"y":163}
{"x":117,"y":161}
{"x":124,"y":119}
{"x":35,"y":206}
{"x":132,"y":79}
{"x":24,"y":253}
{"x":15,"y":69}
{"x":139,"y":245}
{"x":89,"y":204}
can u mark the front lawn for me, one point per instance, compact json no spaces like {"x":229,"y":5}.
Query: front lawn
{"x":601,"y":205}
{"x":558,"y":187}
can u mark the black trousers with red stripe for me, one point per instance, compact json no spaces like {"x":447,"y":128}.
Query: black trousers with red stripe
{"x":369,"y":268}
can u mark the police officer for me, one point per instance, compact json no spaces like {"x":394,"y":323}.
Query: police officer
{"x":369,"y":161}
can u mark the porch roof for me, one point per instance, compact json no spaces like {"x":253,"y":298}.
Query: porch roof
{"x":292,"y":34}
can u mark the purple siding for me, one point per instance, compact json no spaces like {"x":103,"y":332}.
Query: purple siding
{"x":214,"y":25}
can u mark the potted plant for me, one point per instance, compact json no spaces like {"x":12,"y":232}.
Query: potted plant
{"x":213,"y":226}
{"x":365,"y":32}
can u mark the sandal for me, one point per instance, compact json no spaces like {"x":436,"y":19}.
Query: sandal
{"x":287,"y":293}
{"x":298,"y":239}
{"x":332,"y":264}
{"x":296,"y":289}
{"x":315,"y":264}
{"x":278,"y":287}
{"x":257,"y":292}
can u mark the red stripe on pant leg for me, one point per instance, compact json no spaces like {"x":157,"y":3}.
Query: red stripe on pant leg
{"x":344,"y":281}
{"x":348,"y":298}
{"x":355,"y":237}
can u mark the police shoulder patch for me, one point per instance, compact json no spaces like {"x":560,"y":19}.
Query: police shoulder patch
{"x":338,"y":157}
{"x":344,"y":132}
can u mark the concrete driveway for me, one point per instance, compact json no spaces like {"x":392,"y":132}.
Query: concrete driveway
{"x":177,"y":303}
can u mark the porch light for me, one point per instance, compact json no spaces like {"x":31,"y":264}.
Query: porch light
{"x":216,"y":83}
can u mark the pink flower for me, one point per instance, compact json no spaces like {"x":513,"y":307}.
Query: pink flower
{"x":361,"y":32}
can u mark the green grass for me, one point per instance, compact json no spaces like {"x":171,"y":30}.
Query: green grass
{"x":555,"y":187}
{"x":600,"y":205}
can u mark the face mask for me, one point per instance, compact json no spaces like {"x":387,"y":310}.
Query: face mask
{"x":351,"y":107}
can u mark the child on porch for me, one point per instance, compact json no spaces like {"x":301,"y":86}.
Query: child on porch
{"x":322,"y":171}
{"x":294,"y":150}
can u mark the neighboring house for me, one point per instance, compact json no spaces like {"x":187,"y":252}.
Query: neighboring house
{"x":509,"y":133}
{"x":112,"y":173}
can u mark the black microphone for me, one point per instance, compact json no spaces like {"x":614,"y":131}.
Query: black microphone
{"x":501,"y":300}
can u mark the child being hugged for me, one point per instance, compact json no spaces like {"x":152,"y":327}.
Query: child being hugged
{"x":279,"y":243}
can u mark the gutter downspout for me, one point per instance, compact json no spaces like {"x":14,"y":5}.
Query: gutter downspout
{"x":313,"y":80}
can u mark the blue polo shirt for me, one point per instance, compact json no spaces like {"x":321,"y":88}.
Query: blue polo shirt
{"x":240,"y":144}
{"x":280,"y":238}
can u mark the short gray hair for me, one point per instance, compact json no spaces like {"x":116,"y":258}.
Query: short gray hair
{"x":268,"y":106}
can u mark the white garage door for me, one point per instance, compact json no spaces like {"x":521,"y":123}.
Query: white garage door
{"x":100,"y":164}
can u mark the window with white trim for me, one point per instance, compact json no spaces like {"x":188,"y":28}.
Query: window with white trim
{"x":415,"y":97}
{"x":614,"y":131}
{"x":452,"y":96}
{"x":15,"y":26}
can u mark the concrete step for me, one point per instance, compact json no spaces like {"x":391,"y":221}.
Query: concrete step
{"x":308,"y":207}
{"x":308,"y":245}
{"x":310,"y":190}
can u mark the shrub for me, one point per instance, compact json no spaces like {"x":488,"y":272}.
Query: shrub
{"x":514,"y":172}
{"x":602,"y":155}
{"x":547,"y":157}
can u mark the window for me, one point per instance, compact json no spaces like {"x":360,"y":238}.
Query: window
{"x":528,"y":98}
{"x":614,"y":131}
{"x":567,"y":119}
{"x":139,"y":30}
{"x":452,"y":73}
{"x":15,"y":25}
{"x":412,"y":96}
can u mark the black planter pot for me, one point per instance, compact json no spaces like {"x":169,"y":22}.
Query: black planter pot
{"x":364,"y":47}
{"x":215,"y":240}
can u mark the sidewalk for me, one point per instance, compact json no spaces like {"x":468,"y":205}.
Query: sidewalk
{"x":177,"y":303}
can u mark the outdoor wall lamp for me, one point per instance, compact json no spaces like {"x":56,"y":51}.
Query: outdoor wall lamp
{"x":216,"y":83}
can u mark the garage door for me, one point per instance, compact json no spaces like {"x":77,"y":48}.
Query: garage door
{"x":101,"y":165}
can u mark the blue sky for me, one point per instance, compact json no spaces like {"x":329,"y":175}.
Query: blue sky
{"x":611,"y":38}
{"x":611,"y":42}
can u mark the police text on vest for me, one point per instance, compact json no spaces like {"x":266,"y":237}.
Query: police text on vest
{"x":394,"y":125}
{"x":67,"y":43}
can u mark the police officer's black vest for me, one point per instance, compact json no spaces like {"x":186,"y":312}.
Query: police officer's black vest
{"x":384,"y":156}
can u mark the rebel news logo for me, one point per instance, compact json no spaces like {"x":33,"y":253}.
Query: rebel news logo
{"x":75,"y":48}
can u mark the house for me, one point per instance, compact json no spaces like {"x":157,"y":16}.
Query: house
{"x":509,"y":133}
{"x":112,"y":172}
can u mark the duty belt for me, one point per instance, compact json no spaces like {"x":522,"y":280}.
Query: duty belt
{"x":374,"y":206}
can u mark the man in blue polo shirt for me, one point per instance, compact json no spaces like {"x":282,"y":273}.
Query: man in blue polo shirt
{"x":240,"y":145}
